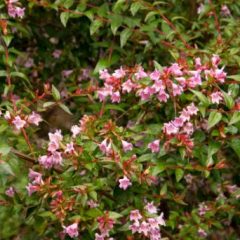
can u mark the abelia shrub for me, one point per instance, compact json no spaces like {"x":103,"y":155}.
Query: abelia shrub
{"x":141,"y":151}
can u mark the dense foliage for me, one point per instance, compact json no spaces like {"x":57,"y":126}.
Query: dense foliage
{"x":119,"y":119}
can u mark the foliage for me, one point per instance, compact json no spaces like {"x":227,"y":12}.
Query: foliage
{"x":119,"y":119}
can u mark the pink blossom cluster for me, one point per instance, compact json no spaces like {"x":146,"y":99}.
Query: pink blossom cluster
{"x":15,"y":11}
{"x":147,"y":226}
{"x":181,"y":124}
{"x":105,"y":224}
{"x":54,"y":156}
{"x":171,"y":81}
{"x":36,"y":182}
{"x":20,"y":122}
{"x":106,"y":146}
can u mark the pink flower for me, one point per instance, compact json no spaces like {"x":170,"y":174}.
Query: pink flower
{"x":34,"y":118}
{"x":119,"y":73}
{"x":195,"y":80}
{"x":57,"y":158}
{"x":53,"y":146}
{"x":160,"y":220}
{"x":151,"y":208}
{"x":192,"y":109}
{"x":46,"y":161}
{"x":57,"y":53}
{"x":14,"y":11}
{"x":155,"y":75}
{"x":216,"y":97}
{"x":66,"y":73}
{"x":202,"y":233}
{"x":188,"y":128}
{"x":92,"y":204}
{"x":170,"y":128}
{"x":135,"y":215}
{"x":154,"y":146}
{"x":103,"y":146}
{"x":158,"y":86}
{"x":198,"y":63}
{"x":75,"y":129}
{"x":99,"y":236}
{"x":140,"y":73}
{"x":144,"y":228}
{"x":31,"y":189}
{"x":72,"y":230}
{"x":103,"y":74}
{"x":69,"y":148}
{"x":185,"y":115}
{"x":178,"y":122}
{"x":146,"y":93}
{"x":10,"y":192}
{"x":225,"y":11}
{"x":104,"y":92}
{"x":153,"y":223}
{"x":134,"y":227}
{"x":57,"y":136}
{"x":182,"y":81}
{"x":177,"y":89}
{"x":176,"y":70}
{"x":128,"y":86}
{"x":19,"y":123}
{"x":35,"y":177}
{"x":115,"y":97}
{"x":220,"y":75}
{"x":162,"y":96}
{"x":124,"y":183}
{"x":215,"y":60}
{"x":126,"y":146}
{"x":7,"y":115}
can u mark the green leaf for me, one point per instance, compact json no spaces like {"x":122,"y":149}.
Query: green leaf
{"x":116,"y":22}
{"x":157,"y":66}
{"x":48,"y":104}
{"x":214,"y":118}
{"x":124,"y":36}
{"x":234,"y":77}
{"x":235,"y":118}
{"x":68,"y":3}
{"x":235,"y":143}
{"x":228,"y":100}
{"x":65,"y":108}
{"x":179,"y":173}
{"x":4,"y":149}
{"x":102,"y":64}
{"x":20,"y":75}
{"x":95,"y":25}
{"x":55,"y":93}
{"x":64,"y":16}
{"x":114,"y":215}
{"x":135,"y":7}
{"x":204,"y":100}
{"x":149,"y":15}
{"x":5,"y":168}
{"x":7,"y":39}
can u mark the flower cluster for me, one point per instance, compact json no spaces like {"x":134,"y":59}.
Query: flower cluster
{"x":171,"y":81}
{"x":54,"y":157}
{"x":105,"y":224}
{"x":147,"y":226}
{"x":20,"y":122}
